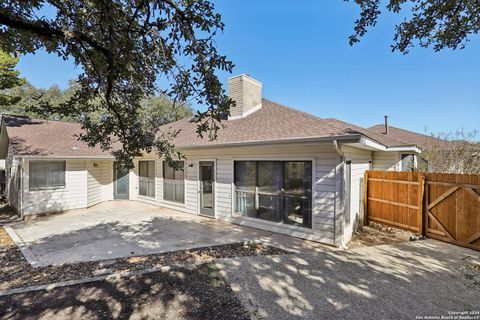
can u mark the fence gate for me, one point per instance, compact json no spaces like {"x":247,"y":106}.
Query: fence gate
{"x":452,"y":208}
{"x":441,"y":206}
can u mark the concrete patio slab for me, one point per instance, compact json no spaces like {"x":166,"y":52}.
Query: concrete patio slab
{"x":122,"y":228}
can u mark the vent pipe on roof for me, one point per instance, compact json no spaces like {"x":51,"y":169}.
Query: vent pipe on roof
{"x":386,"y":124}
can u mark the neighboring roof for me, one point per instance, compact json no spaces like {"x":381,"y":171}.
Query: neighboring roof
{"x":405,"y":136}
{"x":387,"y":140}
{"x":38,"y":137}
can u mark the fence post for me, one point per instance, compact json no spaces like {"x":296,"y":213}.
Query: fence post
{"x":421,"y":212}
{"x":365,"y":198}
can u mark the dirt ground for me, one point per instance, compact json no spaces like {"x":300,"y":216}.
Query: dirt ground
{"x":7,"y":214}
{"x":182,"y":293}
{"x":374,"y":235}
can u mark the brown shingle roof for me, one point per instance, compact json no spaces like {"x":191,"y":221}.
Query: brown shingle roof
{"x":386,"y":140}
{"x":405,"y":136}
{"x":276,"y":122}
{"x":29,"y":136}
{"x":272,"y":122}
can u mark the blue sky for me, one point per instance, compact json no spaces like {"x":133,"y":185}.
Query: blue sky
{"x":300,"y":51}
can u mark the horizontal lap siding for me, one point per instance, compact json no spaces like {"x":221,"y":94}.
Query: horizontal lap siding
{"x":72,"y":197}
{"x":224,"y":180}
{"x":94,"y":191}
{"x":107,"y":179}
{"x":13,"y":179}
{"x":385,"y":161}
{"x":324,"y":193}
{"x":359,"y":164}
{"x":191,"y":188}
{"x":158,"y":180}
{"x":100,"y":181}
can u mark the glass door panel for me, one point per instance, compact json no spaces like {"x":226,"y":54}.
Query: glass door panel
{"x":270,"y":188}
{"x":207,"y":200}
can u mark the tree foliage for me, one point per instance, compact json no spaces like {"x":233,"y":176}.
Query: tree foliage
{"x":457,"y":152}
{"x":123,"y":47}
{"x":430,"y":23}
{"x":154,"y":110}
{"x":9,"y":78}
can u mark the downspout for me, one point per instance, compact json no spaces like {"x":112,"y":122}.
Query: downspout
{"x":22,"y":173}
{"x":342,"y":225}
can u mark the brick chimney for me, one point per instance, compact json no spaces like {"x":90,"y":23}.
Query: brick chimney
{"x":247,"y":94}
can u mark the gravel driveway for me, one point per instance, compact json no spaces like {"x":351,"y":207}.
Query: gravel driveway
{"x":182,"y":293}
{"x":402,"y":281}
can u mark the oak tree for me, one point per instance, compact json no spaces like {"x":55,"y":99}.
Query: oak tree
{"x":438,"y":24}
{"x":9,"y":79}
{"x":123,"y":47}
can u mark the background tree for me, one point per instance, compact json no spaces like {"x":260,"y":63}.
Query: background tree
{"x":9,"y":78}
{"x":123,"y":47}
{"x":457,"y":152}
{"x":428,"y":23}
{"x":154,"y":110}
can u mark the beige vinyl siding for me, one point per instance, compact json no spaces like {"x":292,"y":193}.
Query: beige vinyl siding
{"x":107,"y":179}
{"x":324,"y":160}
{"x":385,"y":161}
{"x":13,"y":179}
{"x":191,"y":188}
{"x":359,"y":164}
{"x":133,"y":182}
{"x":223,"y":187}
{"x":158,"y":180}
{"x":73,"y":196}
{"x":100,"y":175}
{"x":94,"y":189}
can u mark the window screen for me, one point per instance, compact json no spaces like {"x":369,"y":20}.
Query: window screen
{"x":173,"y":182}
{"x":47,"y":175}
{"x":146,"y":173}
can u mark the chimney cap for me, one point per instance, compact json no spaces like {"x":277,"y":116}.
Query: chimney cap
{"x":244,"y":75}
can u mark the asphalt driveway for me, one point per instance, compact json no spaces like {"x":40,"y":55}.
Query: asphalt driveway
{"x":122,"y":228}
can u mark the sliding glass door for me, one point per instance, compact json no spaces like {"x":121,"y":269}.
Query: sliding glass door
{"x":279,"y":191}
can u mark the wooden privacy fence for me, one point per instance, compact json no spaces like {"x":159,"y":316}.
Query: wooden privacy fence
{"x":439,"y":205}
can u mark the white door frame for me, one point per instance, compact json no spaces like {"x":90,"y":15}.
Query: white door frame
{"x":214,"y":186}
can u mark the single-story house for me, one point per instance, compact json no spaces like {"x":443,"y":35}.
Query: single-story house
{"x":272,"y":167}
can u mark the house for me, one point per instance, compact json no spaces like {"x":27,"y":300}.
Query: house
{"x":272,"y":167}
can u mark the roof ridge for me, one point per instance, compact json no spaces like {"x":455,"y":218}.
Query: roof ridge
{"x":401,"y":129}
{"x":41,"y":119}
{"x":309,"y":115}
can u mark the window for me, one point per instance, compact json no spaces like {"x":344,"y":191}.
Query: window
{"x":173,"y":182}
{"x":407,"y":163}
{"x":47,"y":175}
{"x":279,"y":191}
{"x":146,"y":173}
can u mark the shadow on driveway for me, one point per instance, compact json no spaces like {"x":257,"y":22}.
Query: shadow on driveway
{"x":423,"y":278}
{"x":199,"y":293}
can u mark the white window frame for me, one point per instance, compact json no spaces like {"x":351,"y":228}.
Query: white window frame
{"x":154,"y":178}
{"x":47,"y":187}
{"x":236,"y":214}
{"x":173,"y":202}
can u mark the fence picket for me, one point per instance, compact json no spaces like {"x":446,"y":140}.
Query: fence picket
{"x":442,"y":206}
